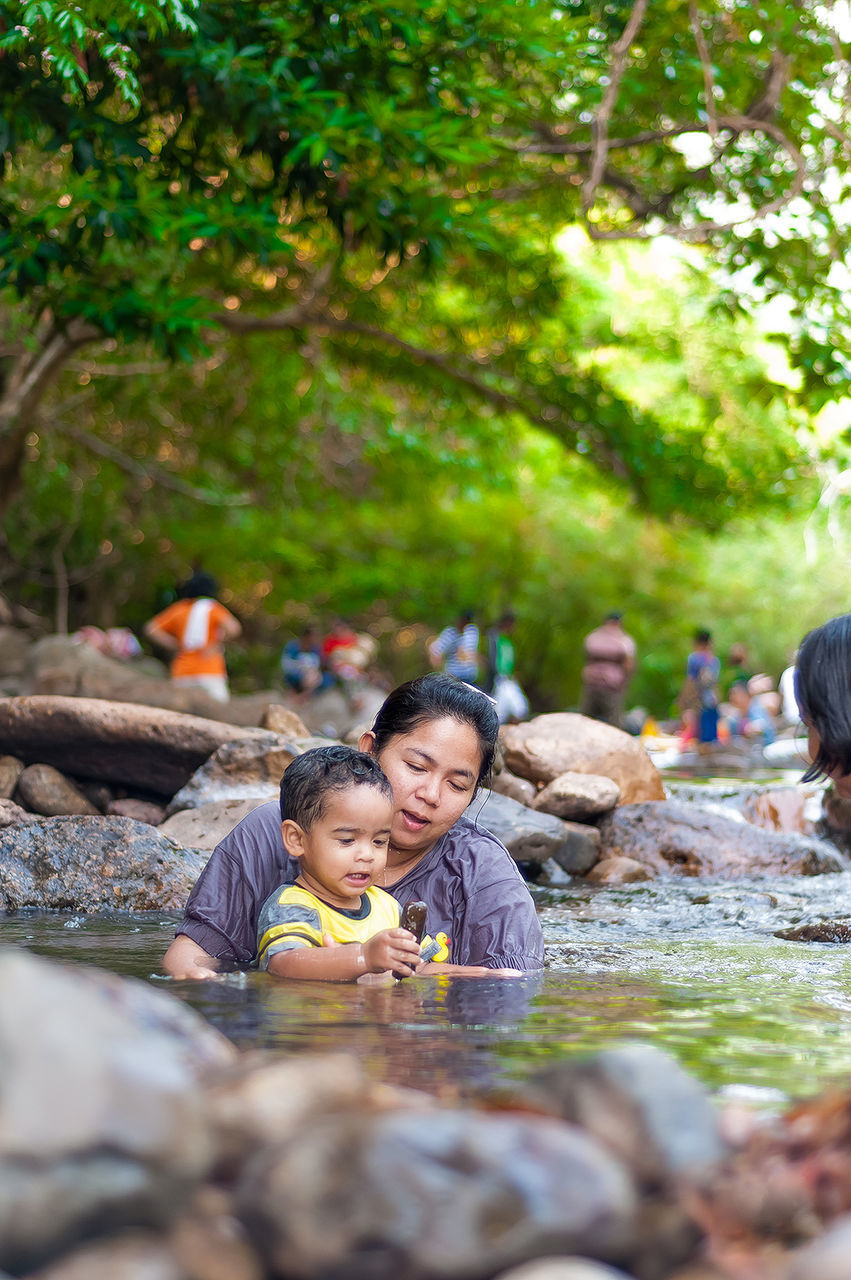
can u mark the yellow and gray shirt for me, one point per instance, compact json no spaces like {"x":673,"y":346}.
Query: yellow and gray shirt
{"x":294,"y":917}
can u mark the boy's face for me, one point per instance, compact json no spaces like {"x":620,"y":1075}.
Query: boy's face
{"x":345,"y":851}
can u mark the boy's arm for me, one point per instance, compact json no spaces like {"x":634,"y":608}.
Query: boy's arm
{"x":395,"y":949}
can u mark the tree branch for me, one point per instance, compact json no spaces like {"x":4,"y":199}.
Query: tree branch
{"x":150,"y":472}
{"x":737,"y":125}
{"x":706,"y":65}
{"x":600,"y":127}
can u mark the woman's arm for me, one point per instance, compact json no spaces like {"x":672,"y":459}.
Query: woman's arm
{"x":186,"y":959}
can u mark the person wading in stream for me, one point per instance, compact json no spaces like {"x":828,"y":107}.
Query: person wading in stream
{"x":435,"y":738}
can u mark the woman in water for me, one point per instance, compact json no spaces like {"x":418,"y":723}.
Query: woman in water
{"x":435,"y":738}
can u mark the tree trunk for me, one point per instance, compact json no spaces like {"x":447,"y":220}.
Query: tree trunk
{"x":29,"y":378}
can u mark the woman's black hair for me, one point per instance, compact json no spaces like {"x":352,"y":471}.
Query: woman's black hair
{"x":432,"y":697}
{"x":823,"y":692}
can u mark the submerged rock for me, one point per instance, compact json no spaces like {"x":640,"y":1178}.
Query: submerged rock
{"x":677,"y":838}
{"x":94,"y":864}
{"x":563,"y":742}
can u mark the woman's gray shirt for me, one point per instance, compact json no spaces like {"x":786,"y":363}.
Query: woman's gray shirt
{"x":469,"y":882}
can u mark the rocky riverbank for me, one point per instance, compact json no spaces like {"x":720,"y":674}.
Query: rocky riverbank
{"x":137,"y":1144}
{"x":117,"y":805}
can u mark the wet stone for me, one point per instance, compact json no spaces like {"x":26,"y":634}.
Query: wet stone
{"x":826,"y":1258}
{"x":11,"y":769}
{"x":43,"y":789}
{"x":94,"y":864}
{"x":578,"y":796}
{"x":836,"y":931}
{"x":12,"y":814}
{"x":139,"y":810}
{"x":677,"y":838}
{"x":530,"y":836}
{"x":563,"y":1269}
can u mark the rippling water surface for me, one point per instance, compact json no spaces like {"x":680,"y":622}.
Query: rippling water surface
{"x":691,"y":966}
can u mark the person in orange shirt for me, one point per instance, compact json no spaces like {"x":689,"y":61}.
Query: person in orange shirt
{"x":195,"y":629}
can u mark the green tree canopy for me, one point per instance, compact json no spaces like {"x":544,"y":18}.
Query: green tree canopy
{"x":383,"y":180}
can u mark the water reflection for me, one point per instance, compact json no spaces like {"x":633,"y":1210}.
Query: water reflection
{"x":691,"y":966}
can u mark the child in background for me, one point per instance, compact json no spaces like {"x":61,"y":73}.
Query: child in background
{"x":750,"y":718}
{"x":334,"y":923}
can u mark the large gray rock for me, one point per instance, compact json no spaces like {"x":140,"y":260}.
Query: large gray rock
{"x":676,"y":838}
{"x":408,"y":1196}
{"x":564,"y":742}
{"x":102,"y":1117}
{"x":43,"y":789}
{"x":243,"y":770}
{"x":144,"y":747}
{"x":530,"y":836}
{"x":94,"y":864}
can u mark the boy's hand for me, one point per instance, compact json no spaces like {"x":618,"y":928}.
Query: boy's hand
{"x":395,"y":949}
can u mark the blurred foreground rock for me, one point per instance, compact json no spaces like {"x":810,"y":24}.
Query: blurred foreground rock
{"x":137,"y":1144}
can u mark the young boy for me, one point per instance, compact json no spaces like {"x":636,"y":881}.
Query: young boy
{"x":334,"y":923}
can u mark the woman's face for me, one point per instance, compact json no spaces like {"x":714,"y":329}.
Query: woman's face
{"x":433,"y":771}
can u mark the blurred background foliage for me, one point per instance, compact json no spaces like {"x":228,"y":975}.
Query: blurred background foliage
{"x":350,"y":304}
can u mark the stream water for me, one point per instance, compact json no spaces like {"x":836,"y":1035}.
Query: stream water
{"x":688,"y":965}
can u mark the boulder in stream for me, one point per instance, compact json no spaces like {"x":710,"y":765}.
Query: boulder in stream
{"x":94,"y":864}
{"x":683,"y":839}
{"x":530,"y":836}
{"x":564,"y":742}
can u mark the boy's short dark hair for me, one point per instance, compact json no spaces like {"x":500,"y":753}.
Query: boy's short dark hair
{"x":311,"y":777}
